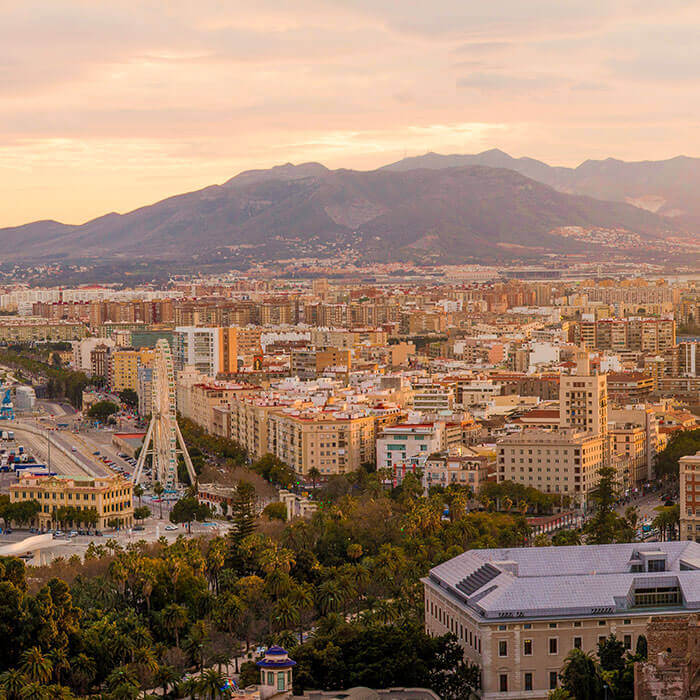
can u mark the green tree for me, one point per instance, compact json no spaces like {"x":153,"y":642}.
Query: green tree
{"x":611,"y":653}
{"x":564,"y":538}
{"x":187,"y":509}
{"x":129,"y":397}
{"x":581,"y":677}
{"x":36,"y":666}
{"x":142,"y":512}
{"x":243,"y":512}
{"x":276,"y":511}
{"x":102,"y":410}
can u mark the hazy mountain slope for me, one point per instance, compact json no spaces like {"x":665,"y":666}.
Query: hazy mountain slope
{"x":463,"y":212}
{"x":667,"y":187}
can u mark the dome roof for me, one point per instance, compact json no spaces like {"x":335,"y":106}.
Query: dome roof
{"x":276,"y":650}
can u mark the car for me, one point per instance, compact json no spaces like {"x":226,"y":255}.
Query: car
{"x":8,"y":530}
{"x":139,"y":528}
{"x":170,"y":528}
{"x":57,"y":534}
{"x":73,"y":533}
{"x":98,"y":533}
{"x":96,"y":453}
{"x":74,"y":449}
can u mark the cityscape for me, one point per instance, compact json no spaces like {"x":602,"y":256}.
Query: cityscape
{"x":349,"y":351}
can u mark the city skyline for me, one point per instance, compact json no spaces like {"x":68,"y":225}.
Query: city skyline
{"x":117,"y":107}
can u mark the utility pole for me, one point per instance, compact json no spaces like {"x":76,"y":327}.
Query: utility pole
{"x":48,"y":458}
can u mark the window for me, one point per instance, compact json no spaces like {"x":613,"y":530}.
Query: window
{"x":553,"y":645}
{"x":552,"y":625}
{"x":503,"y":648}
{"x":601,"y":623}
{"x":601,"y":640}
{"x":528,"y":681}
{"x":577,"y":642}
{"x":628,"y":641}
{"x":527,"y":626}
{"x":552,"y":680}
{"x":577,"y":623}
{"x":657,"y":565}
{"x":503,"y":683}
{"x":280,"y":681}
{"x":527,"y":647}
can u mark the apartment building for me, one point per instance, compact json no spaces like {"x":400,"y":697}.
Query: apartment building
{"x":204,"y":397}
{"x":82,"y":349}
{"x":460,"y":465}
{"x":248,"y":420}
{"x":690,"y":497}
{"x":583,"y":398}
{"x":123,"y":366}
{"x":410,"y":444}
{"x":630,"y":387}
{"x":643,"y":334}
{"x":347,"y":339}
{"x":560,"y":461}
{"x":111,"y":498}
{"x":625,"y":423}
{"x":429,"y":397}
{"x":518,"y":612}
{"x":210,"y":351}
{"x":22,"y":330}
{"x":310,"y":362}
{"x":333,"y":442}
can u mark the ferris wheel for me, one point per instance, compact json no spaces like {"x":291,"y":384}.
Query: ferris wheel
{"x":163,"y":439}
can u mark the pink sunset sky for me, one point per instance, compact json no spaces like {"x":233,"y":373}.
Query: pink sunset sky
{"x":108,"y":106}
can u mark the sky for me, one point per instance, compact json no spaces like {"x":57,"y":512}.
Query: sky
{"x":106,"y":106}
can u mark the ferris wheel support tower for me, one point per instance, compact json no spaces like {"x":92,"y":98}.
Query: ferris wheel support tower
{"x":164,"y":441}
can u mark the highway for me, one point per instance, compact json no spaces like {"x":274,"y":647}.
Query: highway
{"x":38,"y":442}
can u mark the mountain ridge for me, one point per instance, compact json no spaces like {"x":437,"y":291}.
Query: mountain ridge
{"x":395,"y":212}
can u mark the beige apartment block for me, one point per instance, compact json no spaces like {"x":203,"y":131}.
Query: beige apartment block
{"x":123,"y":366}
{"x":558,"y":461}
{"x":333,"y":442}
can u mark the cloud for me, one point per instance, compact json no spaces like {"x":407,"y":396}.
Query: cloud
{"x":106,"y":105}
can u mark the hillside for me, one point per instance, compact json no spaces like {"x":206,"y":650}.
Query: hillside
{"x":454,"y":213}
{"x":667,"y":187}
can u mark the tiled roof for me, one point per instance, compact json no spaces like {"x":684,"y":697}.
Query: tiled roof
{"x":559,"y":581}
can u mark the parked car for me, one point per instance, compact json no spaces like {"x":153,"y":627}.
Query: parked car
{"x":139,"y":528}
{"x":170,"y":528}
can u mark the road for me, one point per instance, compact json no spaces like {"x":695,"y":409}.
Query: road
{"x":55,"y":448}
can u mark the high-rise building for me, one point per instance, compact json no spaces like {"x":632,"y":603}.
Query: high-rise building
{"x":583,"y":398}
{"x":209,"y":350}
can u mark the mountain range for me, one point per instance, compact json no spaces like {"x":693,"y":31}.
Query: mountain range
{"x":488,"y":206}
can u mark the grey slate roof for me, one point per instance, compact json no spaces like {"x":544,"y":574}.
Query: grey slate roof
{"x":560,"y":581}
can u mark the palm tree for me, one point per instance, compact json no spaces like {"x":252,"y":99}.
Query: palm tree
{"x":211,"y":684}
{"x":36,"y":666}
{"x":138,"y":492}
{"x":174,"y":619}
{"x":158,"y":490}
{"x":164,"y":676}
{"x":286,"y":614}
{"x":83,"y":670}
{"x":12,"y":682}
{"x":60,"y":662}
{"x":35,"y":690}
{"x":277,"y":558}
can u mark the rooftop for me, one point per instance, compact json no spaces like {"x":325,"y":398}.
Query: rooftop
{"x":542,"y":582}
